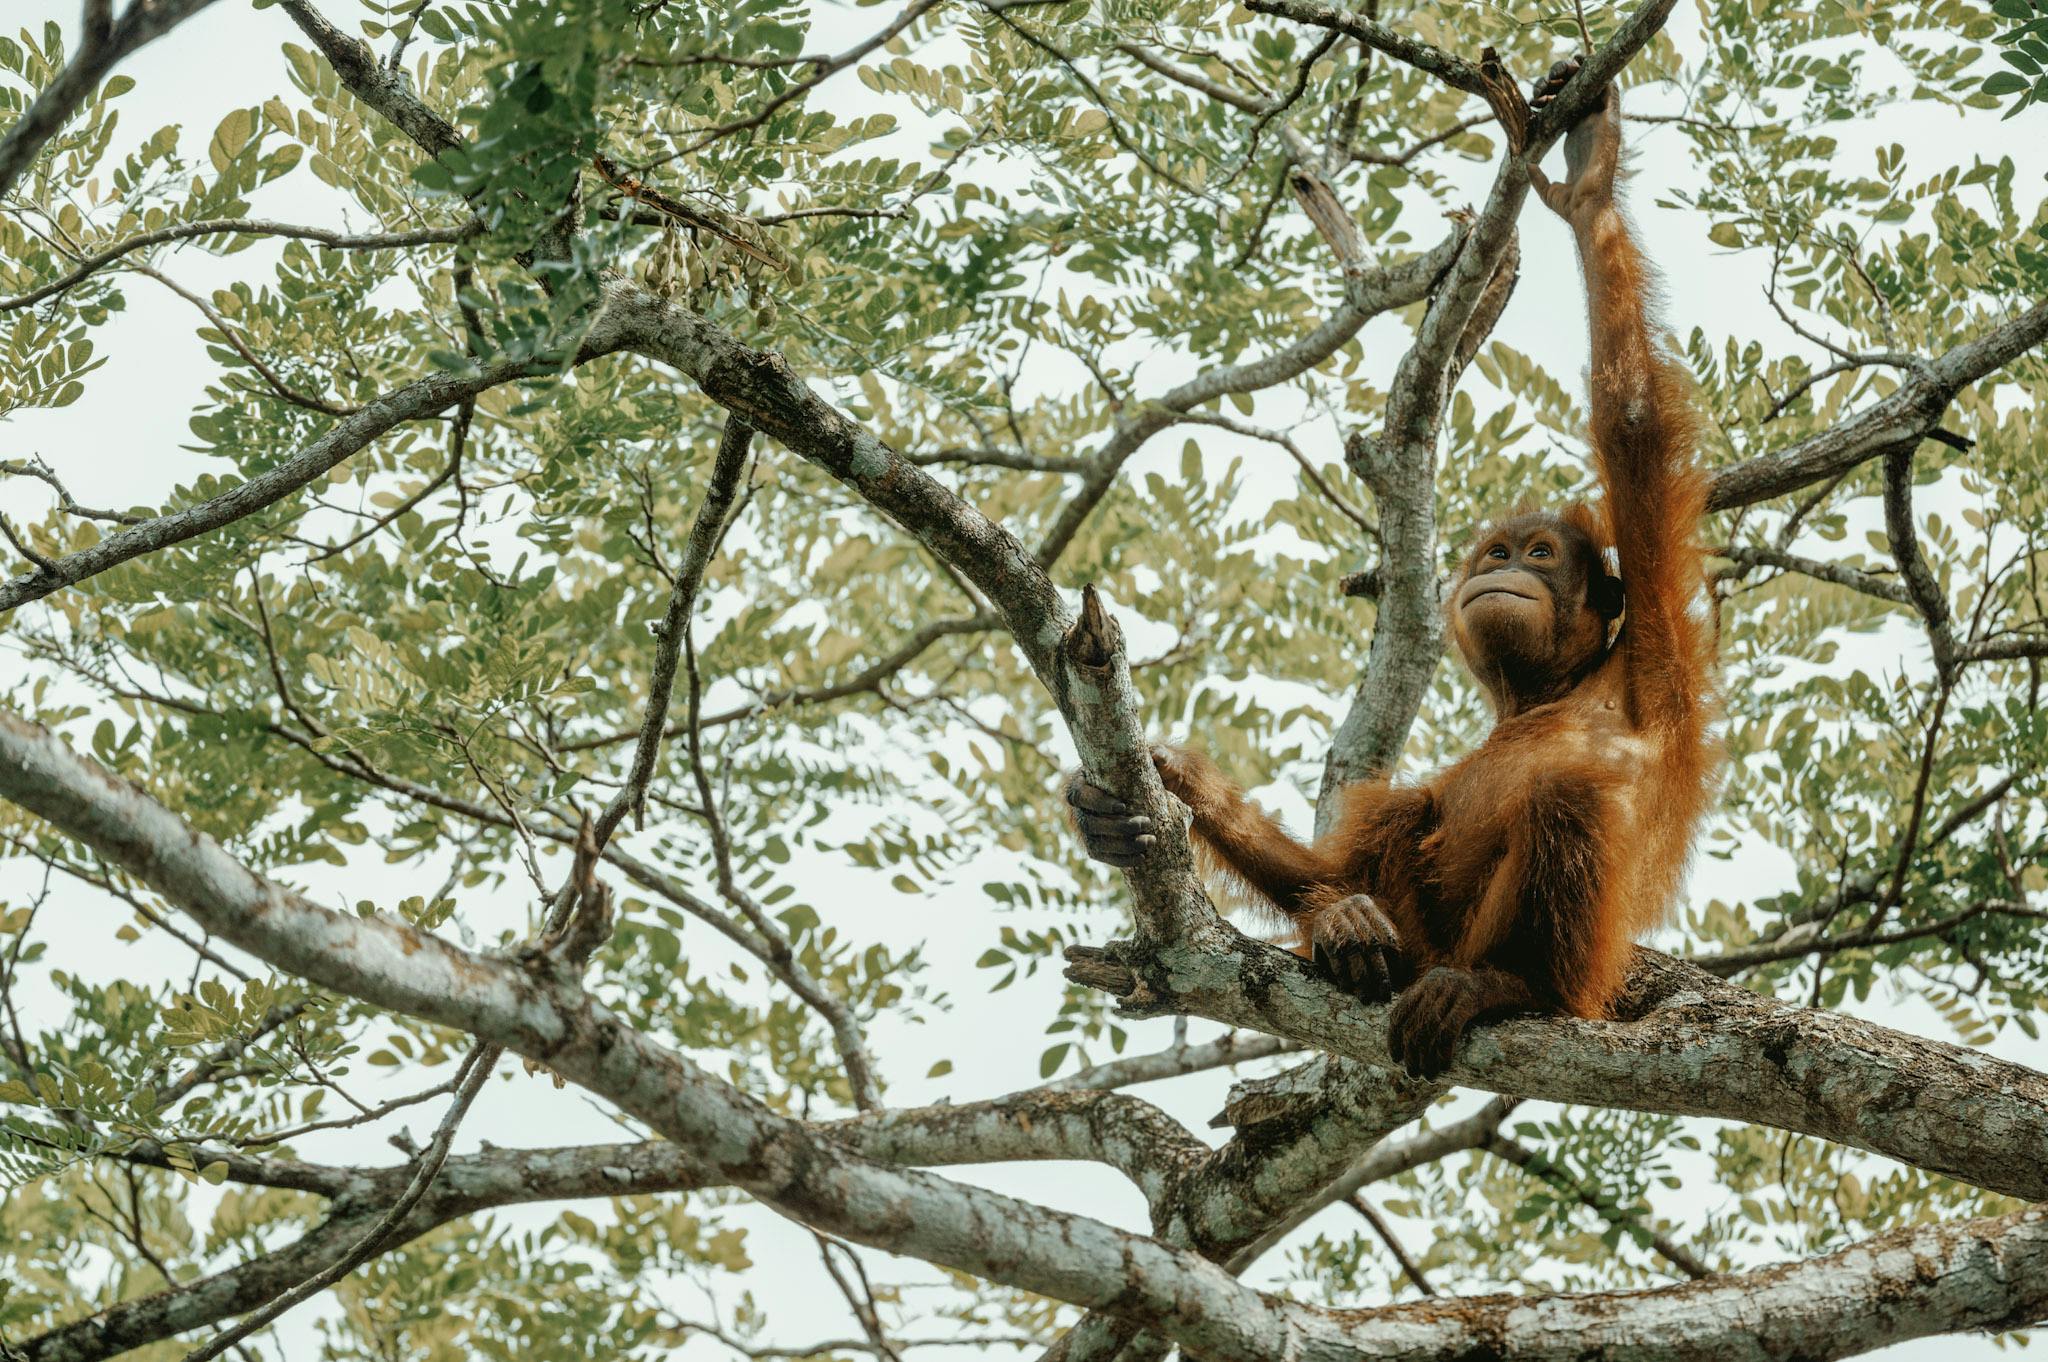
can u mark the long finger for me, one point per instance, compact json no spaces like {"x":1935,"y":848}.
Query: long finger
{"x":1114,"y":824}
{"x":1382,"y":977}
{"x":1093,"y":799}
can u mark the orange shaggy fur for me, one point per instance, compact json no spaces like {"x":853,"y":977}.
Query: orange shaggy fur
{"x":1520,"y":876}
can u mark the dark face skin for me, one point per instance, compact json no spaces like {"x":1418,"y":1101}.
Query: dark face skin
{"x":1531,"y":609}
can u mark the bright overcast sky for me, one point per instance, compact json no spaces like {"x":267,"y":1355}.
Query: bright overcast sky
{"x":122,"y":443}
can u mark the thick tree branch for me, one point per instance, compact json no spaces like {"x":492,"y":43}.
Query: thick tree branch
{"x":1922,"y":589}
{"x":1452,"y":70}
{"x":386,"y":89}
{"x":102,"y":46}
{"x":1093,"y":689}
{"x":1992,"y":1272}
{"x":1683,"y":1042}
{"x":1912,"y":413}
{"x":1110,"y":1128}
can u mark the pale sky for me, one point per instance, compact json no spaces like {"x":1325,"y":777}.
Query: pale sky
{"x":122,"y":443}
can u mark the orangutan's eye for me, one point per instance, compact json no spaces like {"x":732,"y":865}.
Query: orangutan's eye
{"x":1540,"y":551}
{"x":1499,"y":551}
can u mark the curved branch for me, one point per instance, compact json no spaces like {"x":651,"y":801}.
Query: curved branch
{"x":1109,"y":1128}
{"x":1921,"y":1280}
{"x":734,"y":447}
{"x":1683,"y":1042}
{"x":343,"y":438}
{"x":1912,"y":413}
{"x":388,"y":90}
{"x":183,"y":231}
{"x":1369,"y":291}
{"x":861,"y":682}
{"x":104,"y":45}
{"x":1747,"y":556}
{"x":1453,"y":71}
{"x":1921,"y":587}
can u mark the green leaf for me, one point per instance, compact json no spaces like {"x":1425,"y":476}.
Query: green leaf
{"x":231,"y":137}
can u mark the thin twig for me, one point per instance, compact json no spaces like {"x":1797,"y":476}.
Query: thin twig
{"x":183,"y":231}
{"x":1330,"y":494}
{"x":1409,"y":1268}
{"x":242,"y":348}
{"x":1631,"y":1221}
{"x":42,"y":561}
{"x":1748,"y":556}
{"x":734,"y":446}
{"x":38,"y":468}
{"x":826,"y":68}
{"x":1101,"y":100}
{"x":476,"y":1068}
{"x":457,"y":437}
{"x":860,"y":1295}
{"x":774,"y":945}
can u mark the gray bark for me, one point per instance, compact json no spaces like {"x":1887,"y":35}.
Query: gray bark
{"x":1990,"y":1273}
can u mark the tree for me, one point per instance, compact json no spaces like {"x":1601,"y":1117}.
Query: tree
{"x":666,"y":520}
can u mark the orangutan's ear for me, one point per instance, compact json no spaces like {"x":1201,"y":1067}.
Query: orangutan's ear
{"x":1603,"y":593}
